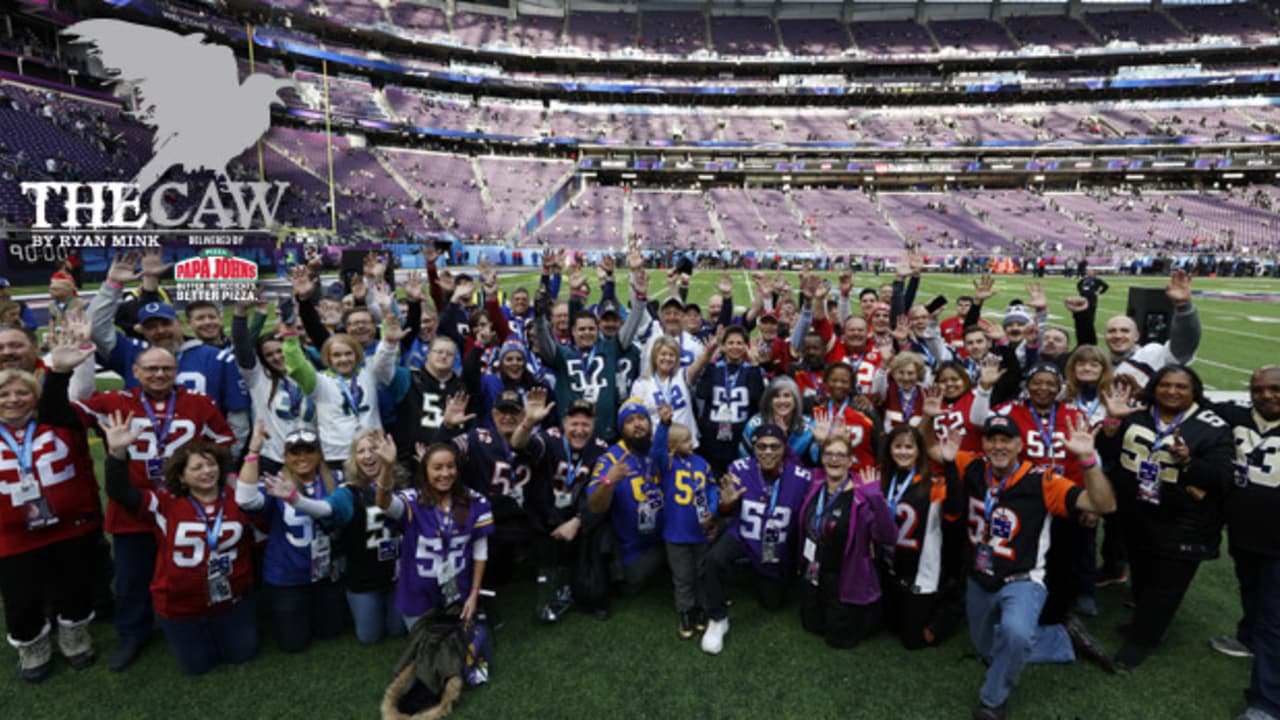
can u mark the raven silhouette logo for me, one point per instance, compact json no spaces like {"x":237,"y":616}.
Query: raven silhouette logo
{"x":189,"y":92}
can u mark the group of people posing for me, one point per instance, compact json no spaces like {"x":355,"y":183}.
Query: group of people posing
{"x":379,"y":454}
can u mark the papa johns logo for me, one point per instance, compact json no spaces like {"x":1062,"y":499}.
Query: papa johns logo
{"x":215,"y":266}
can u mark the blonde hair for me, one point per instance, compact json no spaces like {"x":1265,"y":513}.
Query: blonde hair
{"x":22,"y":376}
{"x":327,"y":348}
{"x":904,"y":359}
{"x":678,"y":433}
{"x":351,"y":472}
{"x":661,"y":343}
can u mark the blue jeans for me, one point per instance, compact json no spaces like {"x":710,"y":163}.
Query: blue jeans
{"x":1003,"y":626}
{"x":375,"y":615}
{"x":135,"y":559}
{"x":230,"y":636}
{"x":301,"y":613}
{"x":1264,"y":683}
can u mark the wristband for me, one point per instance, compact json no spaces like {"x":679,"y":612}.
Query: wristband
{"x":113,"y":285}
{"x":292,"y":496}
{"x":1092,"y":461}
{"x":251,"y":457}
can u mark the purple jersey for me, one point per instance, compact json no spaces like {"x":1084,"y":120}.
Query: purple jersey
{"x":437,"y":550}
{"x":768,"y":514}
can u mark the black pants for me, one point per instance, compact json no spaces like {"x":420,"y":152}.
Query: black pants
{"x":65,"y":569}
{"x":842,"y":625}
{"x":1159,"y":584}
{"x":1062,"y":569}
{"x":909,"y":614}
{"x":508,"y":547}
{"x":770,"y":592}
{"x":555,"y":560}
{"x":1248,"y":567}
{"x":1113,"y":546}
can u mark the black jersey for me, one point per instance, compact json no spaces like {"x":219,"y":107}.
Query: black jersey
{"x":1253,"y":501}
{"x":923,"y":510}
{"x":727,"y":397}
{"x":420,"y":412}
{"x":368,"y":543}
{"x":555,"y":495}
{"x":488,"y":466}
{"x":1176,"y":510}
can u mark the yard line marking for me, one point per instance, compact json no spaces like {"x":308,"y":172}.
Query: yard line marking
{"x":1224,"y":366}
{"x":751,"y":294}
{"x":1241,"y":333}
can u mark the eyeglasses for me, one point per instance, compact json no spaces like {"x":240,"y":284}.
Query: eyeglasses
{"x":158,"y":369}
{"x":769,"y":447}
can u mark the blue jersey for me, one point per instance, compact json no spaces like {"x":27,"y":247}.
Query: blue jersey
{"x":436,"y":549}
{"x":636,"y":509}
{"x":290,"y":536}
{"x":689,"y":492}
{"x":201,"y":368}
{"x":769,"y":513}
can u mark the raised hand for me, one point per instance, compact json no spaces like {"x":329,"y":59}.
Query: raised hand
{"x":619,"y":470}
{"x":455,"y":410}
{"x":392,"y":330}
{"x":821,"y":424}
{"x":76,"y":326}
{"x":868,"y":476}
{"x":1119,"y":401}
{"x":463,"y":291}
{"x":536,"y":407}
{"x":1076,"y":304}
{"x":915,"y":262}
{"x":640,"y":282}
{"x":991,"y":372}
{"x":153,"y":263}
{"x":949,"y":447}
{"x":359,"y":289}
{"x":259,"y":438}
{"x":578,"y":280}
{"x":1179,"y":288}
{"x":430,"y":254}
{"x":489,"y":282}
{"x":731,"y":489}
{"x":607,"y":265}
{"x":278,"y":487}
{"x":413,"y":286}
{"x":664,"y":414}
{"x":1080,"y":443}
{"x":68,"y":352}
{"x":419,"y":451}
{"x":385,"y":448}
{"x":984,"y":288}
{"x":304,"y":284}
{"x":123,"y":268}
{"x":932,"y":401}
{"x":118,"y":432}
{"x":1036,"y":296}
{"x":995,"y":333}
{"x":375,"y":266}
{"x":846,"y":284}
{"x":902,"y":332}
{"x":862,"y":402}
{"x":1178,"y":449}
{"x":635,"y":261}
{"x":725,"y":285}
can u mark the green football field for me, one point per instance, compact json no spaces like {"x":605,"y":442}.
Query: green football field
{"x":636,"y":666}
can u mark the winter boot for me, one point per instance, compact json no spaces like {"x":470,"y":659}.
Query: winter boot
{"x":35,"y":657}
{"x":75,"y":642}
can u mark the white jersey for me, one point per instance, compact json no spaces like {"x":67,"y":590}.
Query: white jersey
{"x":338,"y":421}
{"x":287,"y":410}
{"x":653,"y":392}
{"x":690,"y":348}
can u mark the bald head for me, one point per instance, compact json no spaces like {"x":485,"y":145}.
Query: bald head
{"x":156,"y":370}
{"x":1121,"y":335}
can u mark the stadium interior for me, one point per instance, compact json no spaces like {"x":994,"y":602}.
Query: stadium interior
{"x":1112,"y":131}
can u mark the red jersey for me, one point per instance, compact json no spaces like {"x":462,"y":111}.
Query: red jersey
{"x":195,"y":417}
{"x":903,"y":407}
{"x":862,"y":432}
{"x":1045,"y":445}
{"x":952,"y":330}
{"x":63,"y":472}
{"x":955,"y":419}
{"x":180,"y":587}
{"x":810,"y":384}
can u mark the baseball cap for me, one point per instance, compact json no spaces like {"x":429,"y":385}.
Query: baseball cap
{"x":156,"y":310}
{"x":580,"y":407}
{"x":1018,"y":314}
{"x":693,"y":306}
{"x":672,"y":301}
{"x":1046,"y":367}
{"x":335,"y":291}
{"x":4,"y":282}
{"x":302,"y":439}
{"x":609,"y":307}
{"x":769,"y":431}
{"x":770,"y":316}
{"x":509,"y":400}
{"x":1001,"y":425}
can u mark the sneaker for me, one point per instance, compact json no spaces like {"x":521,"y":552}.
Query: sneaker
{"x":1087,"y":605}
{"x":75,"y":643}
{"x":1087,"y":646}
{"x":713,"y":638}
{"x":982,"y":712}
{"x":686,"y":624}
{"x":548,"y":614}
{"x":1230,"y":646}
{"x":1107,"y":579}
{"x":35,"y":657}
{"x":125,"y":654}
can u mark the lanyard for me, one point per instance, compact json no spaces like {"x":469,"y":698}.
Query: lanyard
{"x":896,"y":491}
{"x":1089,"y":409}
{"x":773,"y":501}
{"x":444,"y":524}
{"x":23,"y":452}
{"x":642,"y":461}
{"x":994,"y":497}
{"x":351,"y":391}
{"x":907,"y":403}
{"x":295,"y":396}
{"x":1046,"y":433}
{"x":162,"y":431}
{"x":818,"y":513}
{"x":831,"y":416}
{"x":1168,"y":430}
{"x":730,"y":381}
{"x":665,"y":392}
{"x":573,"y":466}
{"x":214,"y":531}
{"x":923,"y":349}
{"x":586,"y":363}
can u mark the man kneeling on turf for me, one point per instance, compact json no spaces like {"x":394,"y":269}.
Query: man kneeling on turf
{"x":1009,"y":506}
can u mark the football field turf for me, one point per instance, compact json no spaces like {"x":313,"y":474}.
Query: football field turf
{"x":635,"y":665}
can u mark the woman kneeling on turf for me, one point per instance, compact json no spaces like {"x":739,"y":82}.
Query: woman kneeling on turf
{"x":204,"y":560}
{"x":446,"y":529}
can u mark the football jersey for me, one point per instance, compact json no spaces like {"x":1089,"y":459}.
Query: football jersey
{"x":347,"y":406}
{"x":1253,"y":503}
{"x":489,"y":467}
{"x":955,"y":419}
{"x":690,"y":495}
{"x":195,"y":417}
{"x":1182,"y":517}
{"x":559,"y":477}
{"x":420,"y":412}
{"x":863,"y":434}
{"x":768,"y":513}
{"x":368,"y":542}
{"x":1017,"y":529}
{"x":674,"y":392}
{"x":726,"y":396}
{"x":437,"y":548}
{"x":903,"y":406}
{"x":1044,"y":439}
{"x":628,"y":369}
{"x":180,"y":586}
{"x":63,"y":472}
{"x":201,"y":368}
{"x":864,"y":366}
{"x":690,"y":347}
{"x":636,"y":491}
{"x":591,"y":375}
{"x":920,"y":510}
{"x":810,"y":383}
{"x":285,"y":410}
{"x":290,"y":535}
{"x":952,"y":330}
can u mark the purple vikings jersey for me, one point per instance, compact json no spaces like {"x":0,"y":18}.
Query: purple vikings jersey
{"x":768,"y":513}
{"x":435,"y":550}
